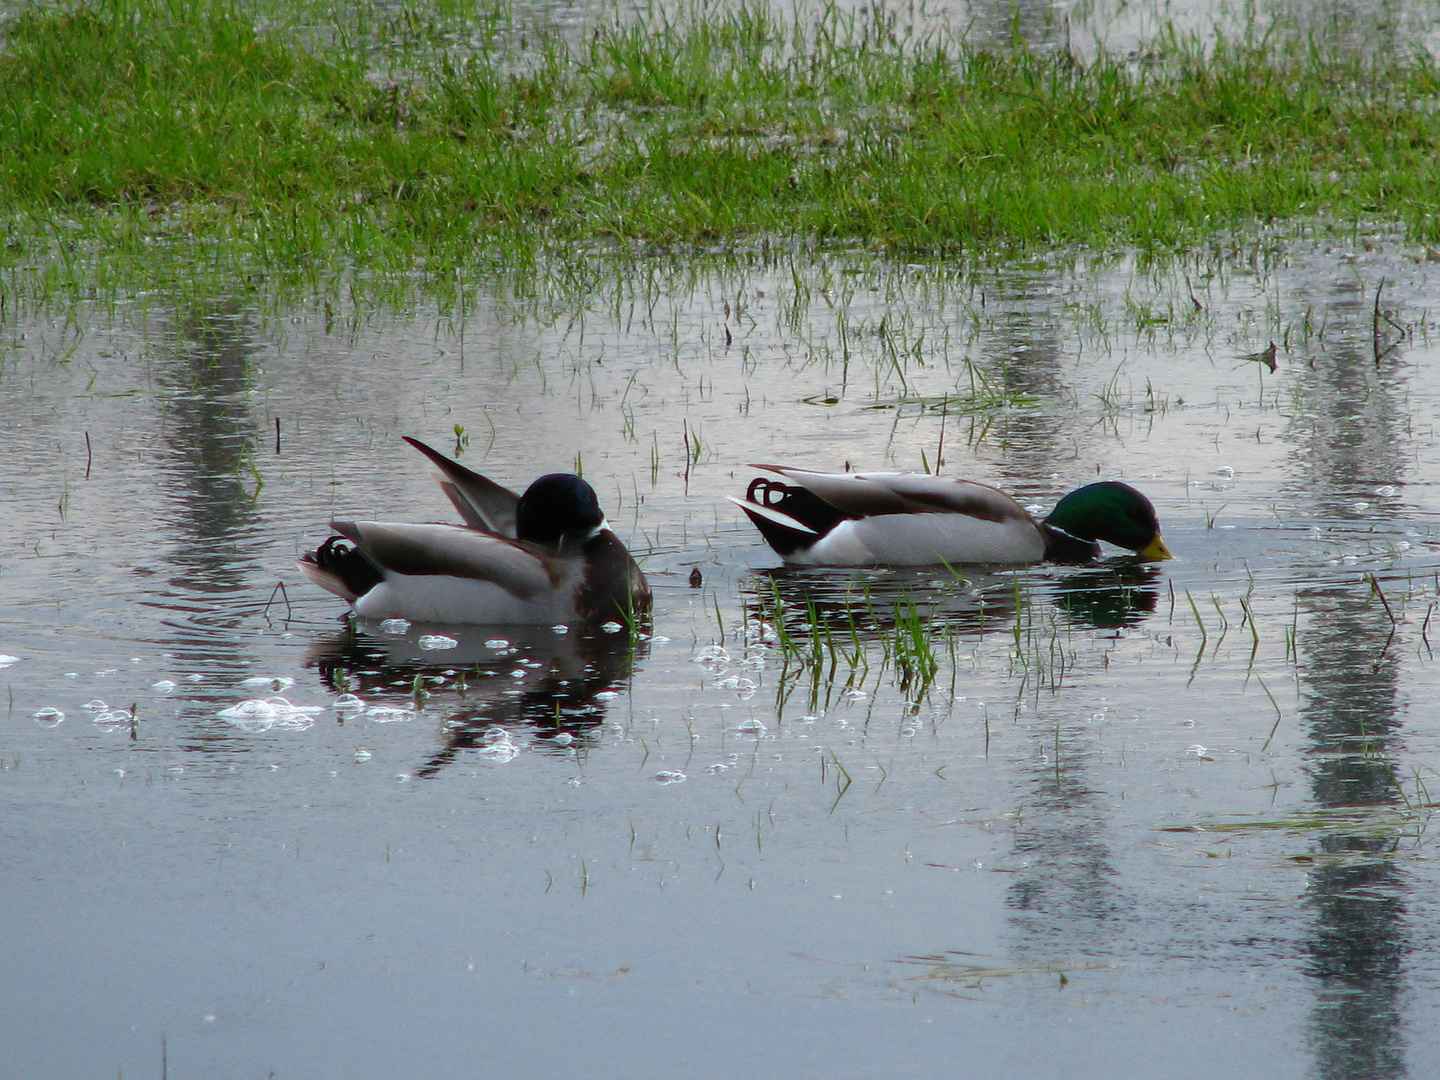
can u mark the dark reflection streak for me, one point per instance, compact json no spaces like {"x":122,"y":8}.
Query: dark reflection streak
{"x":1350,"y":704}
{"x":1024,"y":358}
{"x":210,"y":430}
{"x":1360,"y":937}
{"x":208,"y":427}
{"x":1065,"y":900}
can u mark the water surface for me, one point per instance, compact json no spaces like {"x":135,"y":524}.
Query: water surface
{"x":1112,"y":821}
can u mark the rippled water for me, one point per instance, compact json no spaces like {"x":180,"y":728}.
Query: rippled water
{"x":1112,"y":821}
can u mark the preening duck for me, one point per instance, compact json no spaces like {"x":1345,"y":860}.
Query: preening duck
{"x":913,"y":519}
{"x":541,"y":558}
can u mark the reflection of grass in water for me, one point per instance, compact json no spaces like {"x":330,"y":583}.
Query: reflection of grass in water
{"x":842,"y":634}
{"x":396,"y":139}
{"x":985,"y":394}
{"x":1371,"y":821}
{"x":951,"y":972}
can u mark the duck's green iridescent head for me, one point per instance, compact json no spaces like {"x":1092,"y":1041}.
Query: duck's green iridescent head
{"x":1113,"y":512}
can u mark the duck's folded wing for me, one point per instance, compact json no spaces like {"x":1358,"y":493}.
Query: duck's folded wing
{"x":451,"y":551}
{"x":874,"y":494}
{"x":483,"y":503}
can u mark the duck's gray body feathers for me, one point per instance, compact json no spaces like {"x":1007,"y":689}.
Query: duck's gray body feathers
{"x":897,"y":519}
{"x":569,"y":567}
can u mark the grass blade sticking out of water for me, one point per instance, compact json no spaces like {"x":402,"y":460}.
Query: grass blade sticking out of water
{"x":843,"y":780}
{"x":1278,"y":714}
{"x":913,"y":654}
{"x":1204,"y":637}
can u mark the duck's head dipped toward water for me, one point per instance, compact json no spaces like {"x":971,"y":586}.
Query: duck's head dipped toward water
{"x":1110,"y":511}
{"x":910,"y":519}
{"x":559,"y":511}
{"x":544,"y":557}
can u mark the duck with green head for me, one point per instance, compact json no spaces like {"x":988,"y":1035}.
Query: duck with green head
{"x":912,"y":519}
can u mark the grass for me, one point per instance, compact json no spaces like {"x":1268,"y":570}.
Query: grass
{"x":185,"y":137}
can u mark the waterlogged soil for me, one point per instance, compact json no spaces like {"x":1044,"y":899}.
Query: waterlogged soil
{"x":1114,"y":821}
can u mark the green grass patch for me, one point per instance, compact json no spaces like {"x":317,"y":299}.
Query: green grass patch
{"x":145,"y":134}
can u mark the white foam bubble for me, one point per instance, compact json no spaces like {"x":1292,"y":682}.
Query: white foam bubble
{"x":715,"y":655}
{"x":261,"y":714}
{"x":497,"y":745}
{"x":743,"y":687}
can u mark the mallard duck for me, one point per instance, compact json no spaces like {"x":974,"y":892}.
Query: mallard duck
{"x":912,"y":519}
{"x":541,"y":558}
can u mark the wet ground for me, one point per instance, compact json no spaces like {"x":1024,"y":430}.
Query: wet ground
{"x":1099,"y":822}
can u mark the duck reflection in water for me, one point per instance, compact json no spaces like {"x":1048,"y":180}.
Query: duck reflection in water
{"x":1118,"y":594}
{"x":1111,"y":596}
{"x":494,"y":685}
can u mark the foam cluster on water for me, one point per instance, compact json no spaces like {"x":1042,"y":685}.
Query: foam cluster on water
{"x":106,"y":718}
{"x":497,"y":745}
{"x":262,"y":714}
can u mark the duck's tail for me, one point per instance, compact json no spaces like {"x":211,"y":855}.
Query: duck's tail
{"x":789,"y":517}
{"x":342,"y":567}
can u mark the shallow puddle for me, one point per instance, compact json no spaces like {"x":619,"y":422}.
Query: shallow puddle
{"x":1120,"y":820}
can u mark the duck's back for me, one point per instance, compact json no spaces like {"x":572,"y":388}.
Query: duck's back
{"x":914,"y":519}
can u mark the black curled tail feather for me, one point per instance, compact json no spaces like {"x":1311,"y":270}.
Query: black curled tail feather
{"x":814,"y":514}
{"x":794,"y":501}
{"x":347,"y":561}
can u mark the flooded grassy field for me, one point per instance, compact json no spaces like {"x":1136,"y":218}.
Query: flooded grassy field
{"x":1117,"y":820}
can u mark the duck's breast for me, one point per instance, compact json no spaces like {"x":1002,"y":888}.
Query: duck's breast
{"x":925,"y":540}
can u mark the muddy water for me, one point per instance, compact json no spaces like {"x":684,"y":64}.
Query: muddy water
{"x":1109,"y":821}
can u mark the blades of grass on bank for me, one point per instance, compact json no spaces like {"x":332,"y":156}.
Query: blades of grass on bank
{"x":228,"y":133}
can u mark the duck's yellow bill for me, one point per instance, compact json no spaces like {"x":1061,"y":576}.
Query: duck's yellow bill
{"x":1156,"y":550}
